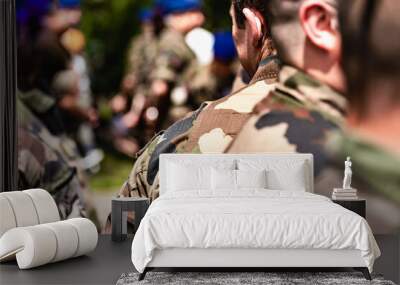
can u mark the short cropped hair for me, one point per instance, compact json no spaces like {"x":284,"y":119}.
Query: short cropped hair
{"x":274,"y":12}
{"x":239,"y":5}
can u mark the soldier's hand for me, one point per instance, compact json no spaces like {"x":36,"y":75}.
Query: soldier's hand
{"x":118,"y":103}
{"x":130,"y":119}
{"x":159,"y":88}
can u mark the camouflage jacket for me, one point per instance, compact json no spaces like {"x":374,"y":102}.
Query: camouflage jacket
{"x":45,"y":108}
{"x":294,"y":117}
{"x":176,"y":62}
{"x":43,"y":162}
{"x":209,"y":129}
{"x":141,"y":56}
{"x":376,"y":176}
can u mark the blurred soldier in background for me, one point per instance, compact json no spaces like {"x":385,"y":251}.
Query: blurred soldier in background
{"x":41,"y":57}
{"x":215,"y":124}
{"x":214,"y":81}
{"x":176,"y":63}
{"x":296,"y":114}
{"x":83,"y":133}
{"x":42,"y":163}
{"x":140,"y":61}
{"x":371,"y":49}
{"x":129,"y":127}
{"x":65,"y":88}
{"x":48,"y":158}
{"x":49,"y":86}
{"x":142,"y":53}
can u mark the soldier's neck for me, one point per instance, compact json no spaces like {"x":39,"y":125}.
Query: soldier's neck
{"x":262,"y":57}
{"x":380,"y":126}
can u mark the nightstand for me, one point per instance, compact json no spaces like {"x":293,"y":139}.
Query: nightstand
{"x":357,"y":206}
{"x":120,"y":207}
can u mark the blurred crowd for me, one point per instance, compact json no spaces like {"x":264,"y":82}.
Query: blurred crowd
{"x":56,"y":112}
{"x":305,"y":76}
{"x":173,"y":65}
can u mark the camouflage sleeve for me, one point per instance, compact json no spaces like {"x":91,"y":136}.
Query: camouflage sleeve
{"x":285,"y":125}
{"x":39,"y":166}
{"x":168,"y":64}
{"x":135,"y":56}
{"x":143,"y":179}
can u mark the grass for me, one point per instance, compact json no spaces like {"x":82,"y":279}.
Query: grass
{"x":114,"y":172}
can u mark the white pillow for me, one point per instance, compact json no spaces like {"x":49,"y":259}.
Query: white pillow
{"x":184,"y":177}
{"x":223,"y":179}
{"x":251,"y":178}
{"x":282,"y":174}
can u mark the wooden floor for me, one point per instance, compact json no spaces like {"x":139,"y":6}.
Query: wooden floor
{"x":106,"y":264}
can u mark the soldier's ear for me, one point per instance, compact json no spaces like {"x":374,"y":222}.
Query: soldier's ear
{"x":320,"y":24}
{"x":254,"y":24}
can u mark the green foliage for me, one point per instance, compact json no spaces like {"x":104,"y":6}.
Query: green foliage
{"x":110,"y":24}
{"x":217,"y":14}
{"x":114,"y":171}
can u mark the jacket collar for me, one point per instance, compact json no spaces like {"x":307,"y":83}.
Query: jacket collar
{"x":268,"y":70}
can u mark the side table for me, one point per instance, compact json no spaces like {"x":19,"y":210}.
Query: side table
{"x":357,"y":206}
{"x":119,"y":209}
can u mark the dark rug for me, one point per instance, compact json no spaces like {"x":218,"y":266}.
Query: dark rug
{"x":269,"y":278}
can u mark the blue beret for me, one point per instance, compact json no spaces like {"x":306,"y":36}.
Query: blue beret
{"x":35,"y":9}
{"x":69,"y":3}
{"x":224,"y":46}
{"x":178,"y":6}
{"x":145,"y":15}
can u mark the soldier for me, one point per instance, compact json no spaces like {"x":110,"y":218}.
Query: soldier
{"x":42,"y":164}
{"x":129,"y":128}
{"x":141,"y":55}
{"x":43,"y":56}
{"x":306,"y":102}
{"x":214,"y":81}
{"x":143,"y":51}
{"x":176,"y":63}
{"x":371,"y":49}
{"x":215,"y":124}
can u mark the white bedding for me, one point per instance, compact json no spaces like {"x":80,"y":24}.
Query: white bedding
{"x":251,"y":218}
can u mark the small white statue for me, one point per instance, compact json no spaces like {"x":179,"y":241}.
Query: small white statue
{"x":347,"y":174}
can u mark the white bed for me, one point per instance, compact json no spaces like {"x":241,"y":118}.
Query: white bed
{"x":279,"y":224}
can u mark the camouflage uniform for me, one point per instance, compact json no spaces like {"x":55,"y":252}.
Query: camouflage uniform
{"x":45,"y":108}
{"x":176,"y":64}
{"x":35,"y":101}
{"x":44,"y":162}
{"x":294,"y":117}
{"x":376,"y":176}
{"x":141,"y":56}
{"x":209,"y":129}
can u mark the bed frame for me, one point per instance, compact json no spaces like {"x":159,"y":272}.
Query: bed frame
{"x":245,"y":259}
{"x":242,"y":259}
